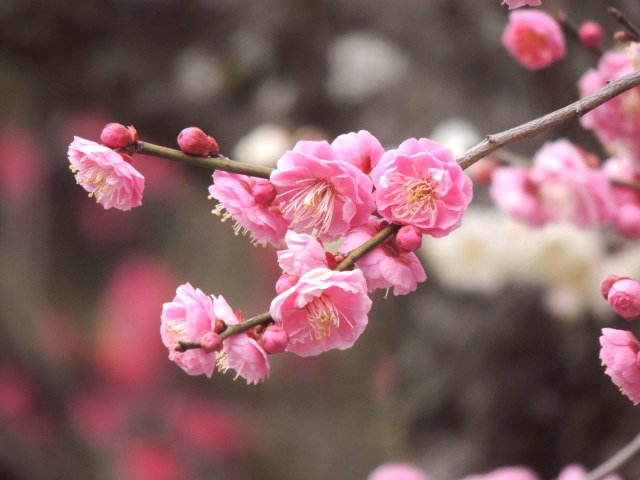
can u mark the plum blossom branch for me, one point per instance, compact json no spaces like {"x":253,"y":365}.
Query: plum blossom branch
{"x":530,"y":129}
{"x":616,"y":461}
{"x":619,"y":17}
{"x":357,"y":253}
{"x":572,"y":30}
{"x":215,"y":163}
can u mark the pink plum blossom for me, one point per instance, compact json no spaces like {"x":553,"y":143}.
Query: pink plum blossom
{"x":397,"y":471}
{"x":186,"y":319}
{"x":303,"y":253}
{"x":624,"y":298}
{"x":534,"y":39}
{"x":591,"y":34}
{"x":617,"y":121}
{"x":619,"y":354}
{"x":386,"y":266}
{"x":326,"y":309}
{"x":240,"y":352}
{"x":577,"y":472}
{"x":421,"y":184}
{"x":105,"y":174}
{"x":274,"y":339}
{"x":23,"y":166}
{"x":626,"y":215}
{"x":319,"y":193}
{"x":521,"y":3}
{"x":559,"y":187}
{"x":360,"y":149}
{"x":116,"y":135}
{"x":194,"y":141}
{"x":263,"y":221}
{"x":506,"y":473}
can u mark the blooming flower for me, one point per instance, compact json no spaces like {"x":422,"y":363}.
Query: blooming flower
{"x":616,"y":122}
{"x":240,"y":352}
{"x":324,"y":310}
{"x":386,"y":265}
{"x":360,"y":149}
{"x":624,"y":298}
{"x":506,"y":473}
{"x":105,"y":174}
{"x":626,"y":215}
{"x":186,"y":319}
{"x":521,"y":3}
{"x":619,"y":354}
{"x":320,"y":194}
{"x":534,"y":39}
{"x":235,"y":192}
{"x":397,"y":471}
{"x":421,"y":184}
{"x":303,"y":253}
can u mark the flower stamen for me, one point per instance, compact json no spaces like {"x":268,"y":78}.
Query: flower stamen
{"x":312,"y":205}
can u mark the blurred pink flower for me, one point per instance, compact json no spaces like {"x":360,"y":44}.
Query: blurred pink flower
{"x":421,"y":184}
{"x":148,"y":459}
{"x":591,"y":34}
{"x":320,"y":194}
{"x":521,"y":3}
{"x":515,"y":194}
{"x":577,"y":472}
{"x":398,"y":471}
{"x":616,"y":122}
{"x":264,"y":222}
{"x":106,"y":175}
{"x":186,"y":319}
{"x":624,"y":298}
{"x":360,"y":149}
{"x":506,"y":473}
{"x":324,"y":310}
{"x":303,"y":253}
{"x":23,"y":167}
{"x":97,"y":417}
{"x":534,"y":39}
{"x":385,"y":266}
{"x":619,"y":354}
{"x":626,"y":215}
{"x":128,"y":318}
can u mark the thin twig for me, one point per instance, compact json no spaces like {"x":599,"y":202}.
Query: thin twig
{"x":619,"y":17}
{"x":616,"y":461}
{"x":573,"y":31}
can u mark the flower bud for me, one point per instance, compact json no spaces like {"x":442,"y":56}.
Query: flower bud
{"x":274,"y":339}
{"x":624,"y":298}
{"x":116,"y":135}
{"x":194,"y":141}
{"x":211,"y":342}
{"x":591,"y":34}
{"x":285,"y":282}
{"x":263,"y":192}
{"x":606,"y":284}
{"x":408,"y":238}
{"x":220,"y":326}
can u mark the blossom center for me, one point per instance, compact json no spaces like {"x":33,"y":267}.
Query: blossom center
{"x":321,"y":314}
{"x":177,"y":332}
{"x":312,"y":205}
{"x":94,"y":180}
{"x":414,"y":196}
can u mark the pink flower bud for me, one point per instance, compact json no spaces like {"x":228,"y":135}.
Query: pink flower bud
{"x":214,"y":150}
{"x":211,"y":342}
{"x":285,"y":282}
{"x":606,"y":284}
{"x":591,"y":34}
{"x":194,"y":141}
{"x":274,"y":339}
{"x":116,"y":135}
{"x":263,"y":192}
{"x":408,"y":238}
{"x":624,"y":298}
{"x":220,"y":326}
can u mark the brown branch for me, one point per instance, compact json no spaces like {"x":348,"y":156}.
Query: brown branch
{"x":535,"y":127}
{"x":619,"y":17}
{"x":571,"y":30}
{"x":616,"y":461}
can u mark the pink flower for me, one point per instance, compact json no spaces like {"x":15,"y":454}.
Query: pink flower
{"x":626,"y":215}
{"x":23,"y":167}
{"x":106,"y":175}
{"x":506,"y":473}
{"x":421,"y":184}
{"x":303,"y":253}
{"x":274,"y":339}
{"x":521,"y":3}
{"x":559,"y":187}
{"x":320,"y":194}
{"x":591,"y":34}
{"x":534,"y":39}
{"x":385,"y":266}
{"x":616,"y":122}
{"x":577,"y":472}
{"x":240,"y":352}
{"x":397,"y":471}
{"x":148,"y":459}
{"x":619,"y":354}
{"x":263,"y":221}
{"x":324,"y":310}
{"x":116,"y":135}
{"x":361,"y":149}
{"x":194,"y":141}
{"x":624,"y":298}
{"x":186,"y":319}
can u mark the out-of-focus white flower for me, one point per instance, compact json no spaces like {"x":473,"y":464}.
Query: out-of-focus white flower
{"x":197,"y":75}
{"x":456,"y":133}
{"x":263,"y":145}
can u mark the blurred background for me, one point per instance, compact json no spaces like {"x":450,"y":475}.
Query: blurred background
{"x":493,"y":361}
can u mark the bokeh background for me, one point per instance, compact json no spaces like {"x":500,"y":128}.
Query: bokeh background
{"x":493,"y":361}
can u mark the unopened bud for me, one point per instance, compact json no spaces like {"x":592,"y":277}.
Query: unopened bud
{"x":606,"y":284}
{"x":274,"y":339}
{"x":408,"y":238}
{"x":623,"y":37}
{"x":285,"y":282}
{"x":211,"y":342}
{"x":220,"y":326}
{"x":332,"y":261}
{"x":116,"y":135}
{"x":263,"y":192}
{"x":591,"y":34}
{"x":194,"y":141}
